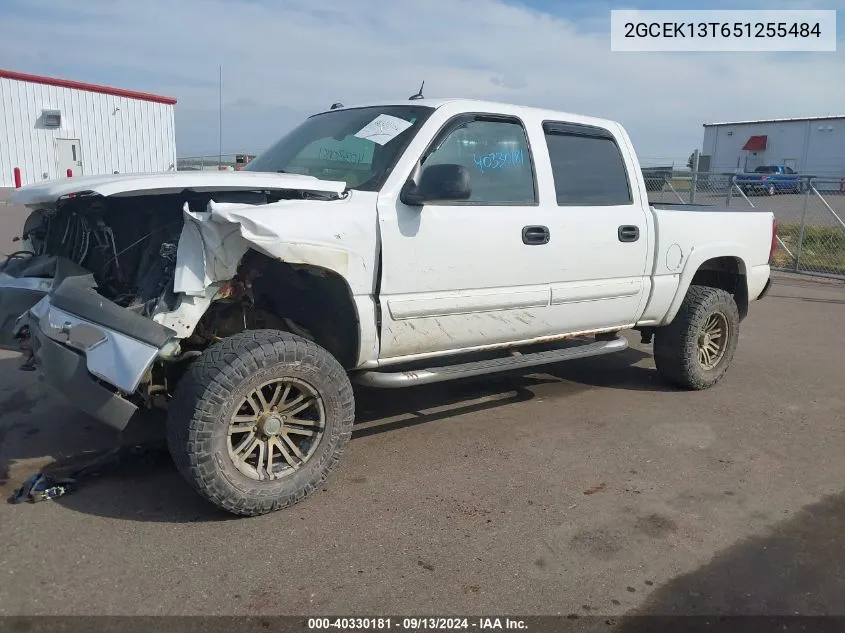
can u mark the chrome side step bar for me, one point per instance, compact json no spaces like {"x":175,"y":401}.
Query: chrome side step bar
{"x":430,"y":375}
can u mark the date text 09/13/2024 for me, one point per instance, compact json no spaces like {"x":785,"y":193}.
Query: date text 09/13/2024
{"x":415,"y":624}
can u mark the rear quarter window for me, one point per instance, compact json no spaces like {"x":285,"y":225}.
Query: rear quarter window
{"x":587,"y":165}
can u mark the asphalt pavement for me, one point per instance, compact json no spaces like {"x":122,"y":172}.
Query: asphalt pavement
{"x":585,"y":488}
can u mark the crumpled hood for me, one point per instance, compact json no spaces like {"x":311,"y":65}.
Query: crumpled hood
{"x":170,"y":182}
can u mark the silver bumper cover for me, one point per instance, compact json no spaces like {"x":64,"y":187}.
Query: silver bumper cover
{"x":114,"y":358}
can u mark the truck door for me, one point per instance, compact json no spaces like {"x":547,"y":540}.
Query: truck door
{"x":599,"y":267}
{"x":465,"y":274}
{"x":553,"y":240}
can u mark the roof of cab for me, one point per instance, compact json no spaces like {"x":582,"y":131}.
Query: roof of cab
{"x":475,"y":104}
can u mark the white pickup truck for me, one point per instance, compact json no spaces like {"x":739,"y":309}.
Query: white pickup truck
{"x":391,"y":245}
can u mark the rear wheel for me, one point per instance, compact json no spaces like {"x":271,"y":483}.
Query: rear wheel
{"x":771,"y":190}
{"x":696,"y":349}
{"x":260,"y":420}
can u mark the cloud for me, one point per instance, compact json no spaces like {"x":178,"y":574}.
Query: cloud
{"x":244,"y":102}
{"x":513,"y":81}
{"x":294,"y":60}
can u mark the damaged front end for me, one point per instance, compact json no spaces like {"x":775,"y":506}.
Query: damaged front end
{"x":98,"y":364}
{"x":111,"y":296}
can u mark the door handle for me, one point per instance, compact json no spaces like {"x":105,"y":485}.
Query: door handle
{"x":629,"y":233}
{"x":535,"y":235}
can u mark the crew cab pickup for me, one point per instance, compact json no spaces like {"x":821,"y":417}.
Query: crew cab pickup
{"x":770,"y":179}
{"x":390,"y":245}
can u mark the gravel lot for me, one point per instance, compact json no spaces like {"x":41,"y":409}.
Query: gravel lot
{"x":587,"y":488}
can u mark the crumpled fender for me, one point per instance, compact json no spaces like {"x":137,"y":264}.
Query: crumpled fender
{"x":337,"y":235}
{"x":327,"y":234}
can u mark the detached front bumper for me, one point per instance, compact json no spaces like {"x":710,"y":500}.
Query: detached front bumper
{"x":96,"y":354}
{"x":66,"y":370}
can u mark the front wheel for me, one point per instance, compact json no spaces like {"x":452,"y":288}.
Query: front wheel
{"x":696,"y":349}
{"x":259,"y":420}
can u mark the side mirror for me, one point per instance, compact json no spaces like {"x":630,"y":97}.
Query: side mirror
{"x":438,"y":182}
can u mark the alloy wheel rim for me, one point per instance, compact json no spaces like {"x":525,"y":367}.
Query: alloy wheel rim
{"x":713,"y":341}
{"x":276,"y":429}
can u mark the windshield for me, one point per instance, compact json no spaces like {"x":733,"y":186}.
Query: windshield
{"x":359,"y":146}
{"x":766,"y":170}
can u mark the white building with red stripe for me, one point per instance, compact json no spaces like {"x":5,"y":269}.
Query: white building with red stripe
{"x":52,"y":128}
{"x":814,"y":146}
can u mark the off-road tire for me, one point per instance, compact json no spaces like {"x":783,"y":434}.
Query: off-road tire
{"x":217,"y":381}
{"x":676,"y":345}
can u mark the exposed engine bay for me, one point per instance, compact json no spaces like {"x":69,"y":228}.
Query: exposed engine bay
{"x":129,"y":245}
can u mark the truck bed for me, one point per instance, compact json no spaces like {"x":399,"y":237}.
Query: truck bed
{"x":712,"y":208}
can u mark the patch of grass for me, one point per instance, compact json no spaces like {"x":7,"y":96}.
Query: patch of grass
{"x":823,"y":248}
{"x":680,"y":184}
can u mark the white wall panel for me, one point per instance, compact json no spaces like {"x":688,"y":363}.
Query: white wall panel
{"x":116,"y":133}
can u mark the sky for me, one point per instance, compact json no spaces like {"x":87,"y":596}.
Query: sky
{"x":283,"y":60}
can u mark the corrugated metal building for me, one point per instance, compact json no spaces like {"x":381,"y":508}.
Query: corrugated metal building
{"x":812,"y":145}
{"x":49,"y":126}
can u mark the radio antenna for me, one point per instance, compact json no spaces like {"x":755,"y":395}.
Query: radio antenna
{"x":419,"y":95}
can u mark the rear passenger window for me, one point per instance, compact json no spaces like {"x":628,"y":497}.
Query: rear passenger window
{"x":587,"y":165}
{"x":497,"y":156}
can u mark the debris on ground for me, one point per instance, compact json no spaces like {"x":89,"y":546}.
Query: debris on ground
{"x":40,"y":487}
{"x":45,"y":486}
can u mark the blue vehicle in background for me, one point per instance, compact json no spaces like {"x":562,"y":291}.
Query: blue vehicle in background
{"x":770,"y":179}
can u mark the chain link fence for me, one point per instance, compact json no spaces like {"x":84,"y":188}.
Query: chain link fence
{"x":810,"y":211}
{"x":217,"y":162}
